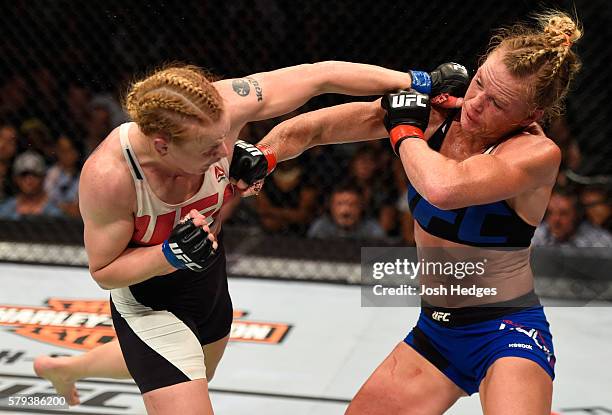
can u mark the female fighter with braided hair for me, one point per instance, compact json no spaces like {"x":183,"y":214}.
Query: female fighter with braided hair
{"x":479,"y":179}
{"x":149,"y":196}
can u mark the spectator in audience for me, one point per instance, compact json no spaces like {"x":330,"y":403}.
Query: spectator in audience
{"x":62,"y":180}
{"x":14,"y":95}
{"x":564,"y":225}
{"x":44,"y":103}
{"x":30,"y":199}
{"x":37,"y":137}
{"x":99,"y":125}
{"x":107,"y":101}
{"x":571,"y":157}
{"x":287,"y":200}
{"x":597,"y":206}
{"x":346,"y":219}
{"x":406,"y":220}
{"x":8,"y":148}
{"x":378,"y":187}
{"x":77,"y":102}
{"x":326,"y":168}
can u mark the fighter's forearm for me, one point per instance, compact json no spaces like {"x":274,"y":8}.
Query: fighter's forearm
{"x":291,"y":138}
{"x":134,"y":265}
{"x":362,"y":79}
{"x":357,"y":121}
{"x":284,"y":90}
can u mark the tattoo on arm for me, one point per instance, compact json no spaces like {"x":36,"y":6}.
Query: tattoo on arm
{"x":241,"y":87}
{"x":258,"y":90}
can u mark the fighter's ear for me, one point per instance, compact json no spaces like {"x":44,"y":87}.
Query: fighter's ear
{"x":535,"y":116}
{"x":161,"y":143}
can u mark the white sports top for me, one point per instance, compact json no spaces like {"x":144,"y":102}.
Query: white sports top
{"x":155,"y":218}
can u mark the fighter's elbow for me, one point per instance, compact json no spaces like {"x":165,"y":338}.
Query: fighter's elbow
{"x":554,"y":157}
{"x":324,"y":66}
{"x":101,"y":278}
{"x":305,"y":131}
{"x":440,"y":196}
{"x":105,"y":287}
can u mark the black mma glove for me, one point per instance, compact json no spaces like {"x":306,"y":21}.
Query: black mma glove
{"x":188,"y":246}
{"x":251,"y":163}
{"x":449,"y":79}
{"x":407,"y":115}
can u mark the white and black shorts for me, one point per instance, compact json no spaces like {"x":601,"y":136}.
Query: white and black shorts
{"x":162,"y":324}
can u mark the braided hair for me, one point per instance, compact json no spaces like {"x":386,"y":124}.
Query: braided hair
{"x":167,"y":100}
{"x":544,"y":55}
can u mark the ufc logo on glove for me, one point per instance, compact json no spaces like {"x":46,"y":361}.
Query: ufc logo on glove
{"x":253,"y":150}
{"x":460,"y":68}
{"x":407,"y":100}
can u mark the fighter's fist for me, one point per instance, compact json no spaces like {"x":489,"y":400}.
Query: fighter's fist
{"x":449,"y":78}
{"x":444,"y":84}
{"x":251,"y":163}
{"x":191,"y":244}
{"x":406,"y":115}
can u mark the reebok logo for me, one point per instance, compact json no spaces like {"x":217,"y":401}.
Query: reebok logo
{"x":219,"y":174}
{"x":533,"y":334}
{"x":521,"y":346}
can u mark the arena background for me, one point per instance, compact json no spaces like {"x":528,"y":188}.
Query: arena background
{"x":58,"y":57}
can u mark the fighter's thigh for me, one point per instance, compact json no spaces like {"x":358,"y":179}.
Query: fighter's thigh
{"x":213,"y":352}
{"x":187,"y":398}
{"x":405,"y":383}
{"x":159,"y":348}
{"x":517,"y":386}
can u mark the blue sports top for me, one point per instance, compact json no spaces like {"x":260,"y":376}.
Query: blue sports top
{"x":490,"y":225}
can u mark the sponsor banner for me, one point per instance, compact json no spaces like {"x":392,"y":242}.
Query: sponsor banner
{"x":84,"y":324}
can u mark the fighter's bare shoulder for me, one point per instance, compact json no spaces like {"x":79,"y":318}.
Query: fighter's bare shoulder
{"x":106,"y":179}
{"x":532,"y":149}
{"x":533,"y":140}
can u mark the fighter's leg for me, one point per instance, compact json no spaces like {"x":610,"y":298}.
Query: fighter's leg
{"x":186,"y":398}
{"x":213,"y":352}
{"x":105,"y":361}
{"x":514,"y":385}
{"x":405,"y":383}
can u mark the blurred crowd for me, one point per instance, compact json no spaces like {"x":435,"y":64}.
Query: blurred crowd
{"x":48,"y":126}
{"x":356,"y":191}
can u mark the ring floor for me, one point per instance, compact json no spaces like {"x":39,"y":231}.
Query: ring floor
{"x":297,"y":347}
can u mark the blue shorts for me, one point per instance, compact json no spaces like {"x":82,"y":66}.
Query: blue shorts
{"x":464,"y":352}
